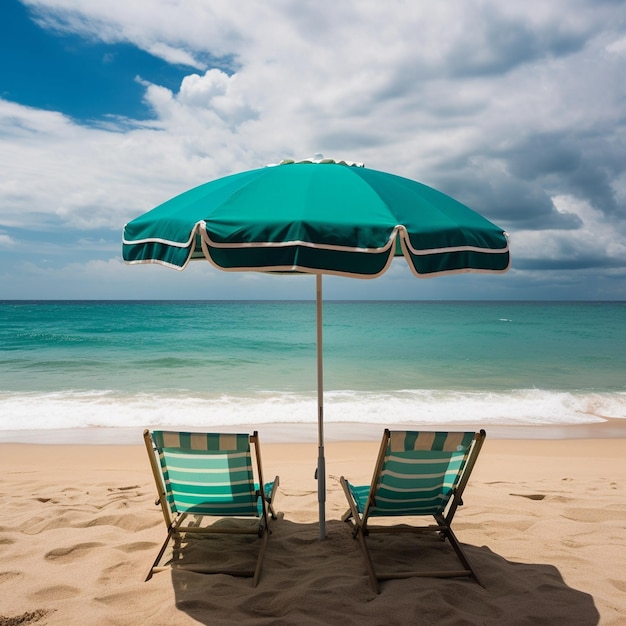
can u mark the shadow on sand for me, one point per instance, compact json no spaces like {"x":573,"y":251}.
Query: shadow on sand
{"x":308,"y":581}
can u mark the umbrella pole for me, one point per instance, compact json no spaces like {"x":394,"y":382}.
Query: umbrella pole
{"x":321,"y":461}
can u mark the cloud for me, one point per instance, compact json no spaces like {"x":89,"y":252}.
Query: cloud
{"x":176,"y":56}
{"x":617,"y":47}
{"x":215,"y":92}
{"x":500,"y":43}
{"x":596,"y":245}
{"x":6,"y":241}
{"x":571,"y":161}
{"x":498,"y":195}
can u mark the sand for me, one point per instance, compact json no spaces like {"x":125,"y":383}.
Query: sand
{"x":544,"y":523}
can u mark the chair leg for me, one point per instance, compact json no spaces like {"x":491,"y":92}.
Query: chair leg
{"x":454,"y":542}
{"x":259,"y":561}
{"x":155,"y":565}
{"x":368,"y":560}
{"x":352,"y":517}
{"x":446,"y":531}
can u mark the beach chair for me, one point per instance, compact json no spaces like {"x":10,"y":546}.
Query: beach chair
{"x":207,"y":477}
{"x":417,"y":474}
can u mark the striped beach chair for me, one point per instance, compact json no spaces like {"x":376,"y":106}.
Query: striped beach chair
{"x":204,"y":476}
{"x":417,"y":474}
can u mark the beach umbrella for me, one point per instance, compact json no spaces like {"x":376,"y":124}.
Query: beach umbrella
{"x":317,"y":217}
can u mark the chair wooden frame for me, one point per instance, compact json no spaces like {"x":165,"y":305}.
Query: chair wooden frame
{"x":178,"y":523}
{"x":359,"y":517}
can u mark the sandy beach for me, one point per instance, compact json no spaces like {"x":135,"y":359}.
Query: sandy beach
{"x":544,"y":523}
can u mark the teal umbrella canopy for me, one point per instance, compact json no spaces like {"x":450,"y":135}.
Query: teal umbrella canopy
{"x":322,"y":217}
{"x":328,"y":218}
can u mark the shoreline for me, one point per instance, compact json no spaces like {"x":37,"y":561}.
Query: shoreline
{"x":611,"y":428}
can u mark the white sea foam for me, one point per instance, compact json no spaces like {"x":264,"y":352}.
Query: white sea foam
{"x":65,"y":410}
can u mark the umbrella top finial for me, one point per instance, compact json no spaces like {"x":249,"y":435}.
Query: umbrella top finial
{"x":319,"y":158}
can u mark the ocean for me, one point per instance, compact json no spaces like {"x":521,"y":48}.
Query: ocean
{"x":87,"y":364}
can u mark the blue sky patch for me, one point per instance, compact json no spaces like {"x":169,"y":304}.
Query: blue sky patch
{"x":84,"y":79}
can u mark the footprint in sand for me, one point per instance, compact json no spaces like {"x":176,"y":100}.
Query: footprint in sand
{"x":126,"y":521}
{"x":127,"y":601}
{"x":137,"y":546}
{"x":55,"y":592}
{"x":594,"y":515}
{"x":561,"y":499}
{"x":267,"y":604}
{"x":67,"y":555}
{"x":530,"y":496}
{"x":120,"y":571}
{"x":7,"y":576}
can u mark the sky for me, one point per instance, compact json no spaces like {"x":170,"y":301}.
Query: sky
{"x":107,"y":109}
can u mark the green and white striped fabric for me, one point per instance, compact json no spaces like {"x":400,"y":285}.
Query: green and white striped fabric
{"x":208,"y":473}
{"x":419,"y":474}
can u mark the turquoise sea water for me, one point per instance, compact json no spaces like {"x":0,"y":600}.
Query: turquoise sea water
{"x":132,"y":364}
